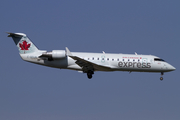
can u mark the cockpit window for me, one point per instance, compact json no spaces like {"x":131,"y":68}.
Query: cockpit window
{"x":158,"y":59}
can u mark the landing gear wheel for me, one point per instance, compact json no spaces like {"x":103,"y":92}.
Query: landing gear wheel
{"x":161,"y":78}
{"x":89,"y":74}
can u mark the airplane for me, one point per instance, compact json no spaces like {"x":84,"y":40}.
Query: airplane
{"x":89,"y":62}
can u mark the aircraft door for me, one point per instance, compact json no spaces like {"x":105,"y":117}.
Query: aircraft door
{"x":144,"y":62}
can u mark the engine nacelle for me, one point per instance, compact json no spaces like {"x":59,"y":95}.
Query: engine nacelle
{"x":58,"y":54}
{"x":55,"y":54}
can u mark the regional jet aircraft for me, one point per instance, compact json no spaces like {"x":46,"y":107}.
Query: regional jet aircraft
{"x":89,"y":62}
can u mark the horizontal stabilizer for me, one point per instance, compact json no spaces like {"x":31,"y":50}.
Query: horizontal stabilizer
{"x":15,"y":34}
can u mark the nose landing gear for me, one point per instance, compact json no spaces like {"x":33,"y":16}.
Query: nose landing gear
{"x":161,"y":78}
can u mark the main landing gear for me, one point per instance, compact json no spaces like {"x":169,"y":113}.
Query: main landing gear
{"x":90,"y":73}
{"x":161,"y":78}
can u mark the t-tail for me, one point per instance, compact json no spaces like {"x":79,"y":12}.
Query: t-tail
{"x":23,"y":43}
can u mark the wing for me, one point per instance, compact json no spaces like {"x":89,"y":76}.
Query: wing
{"x":86,"y":65}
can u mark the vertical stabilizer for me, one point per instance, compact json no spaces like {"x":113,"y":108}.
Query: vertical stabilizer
{"x":23,"y":43}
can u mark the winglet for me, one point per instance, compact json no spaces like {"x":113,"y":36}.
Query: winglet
{"x":68,"y":53}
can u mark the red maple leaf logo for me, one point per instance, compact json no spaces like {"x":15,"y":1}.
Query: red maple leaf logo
{"x":24,"y":46}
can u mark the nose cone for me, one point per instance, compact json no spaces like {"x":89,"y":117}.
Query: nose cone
{"x":172,"y":68}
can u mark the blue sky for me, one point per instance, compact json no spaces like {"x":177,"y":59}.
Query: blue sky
{"x":29,"y":91}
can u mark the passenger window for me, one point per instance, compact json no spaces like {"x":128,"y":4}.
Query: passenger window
{"x":112,"y":59}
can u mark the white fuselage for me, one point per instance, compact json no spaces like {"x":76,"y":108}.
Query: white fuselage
{"x":116,"y":62}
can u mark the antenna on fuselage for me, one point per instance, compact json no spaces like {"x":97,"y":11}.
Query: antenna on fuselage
{"x":103,"y":52}
{"x":136,"y":53}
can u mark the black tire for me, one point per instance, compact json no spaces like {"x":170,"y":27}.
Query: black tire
{"x":89,"y":74}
